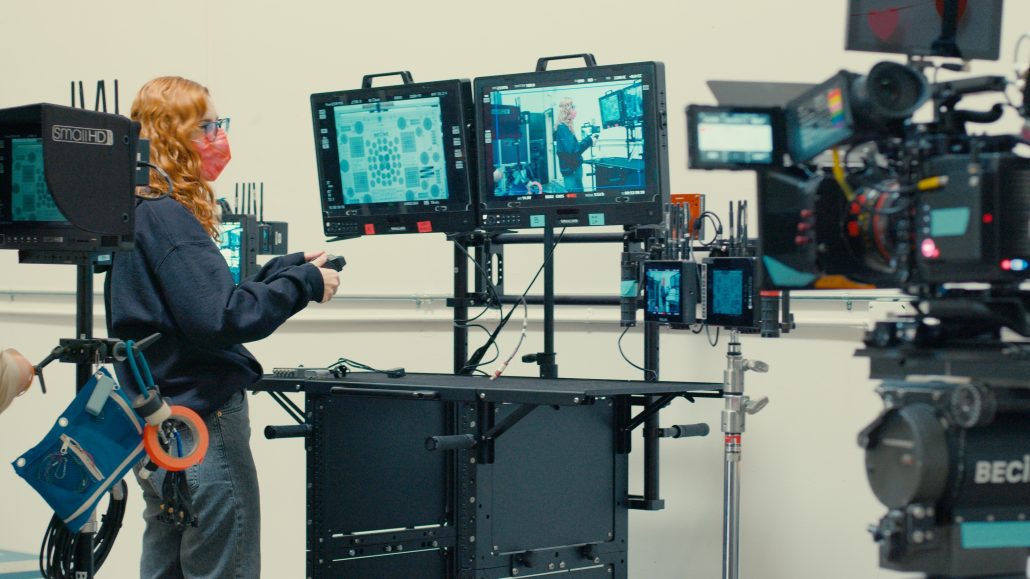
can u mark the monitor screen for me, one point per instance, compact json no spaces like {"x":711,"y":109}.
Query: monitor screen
{"x":727,"y":287}
{"x":611,"y":109}
{"x":554,"y":172}
{"x":819,"y":119}
{"x":662,"y":290}
{"x":393,"y":159}
{"x":907,"y":27}
{"x":734,"y":138}
{"x":24,"y":195}
{"x":230,"y":244}
{"x":732,"y":297}
{"x":633,"y":102}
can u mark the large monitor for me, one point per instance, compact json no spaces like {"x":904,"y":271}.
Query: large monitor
{"x":737,"y":138}
{"x":554,"y":173}
{"x":915,"y":27}
{"x":395,"y":159}
{"x":67,"y":179}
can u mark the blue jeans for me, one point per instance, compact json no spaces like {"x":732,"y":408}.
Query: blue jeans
{"x":227,"y":540}
{"x":573,"y":181}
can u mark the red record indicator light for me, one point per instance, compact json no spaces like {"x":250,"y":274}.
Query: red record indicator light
{"x":929,"y":249}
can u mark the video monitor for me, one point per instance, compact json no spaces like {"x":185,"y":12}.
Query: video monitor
{"x":732,"y":298}
{"x":67,"y":179}
{"x":734,"y":138}
{"x":633,"y":102}
{"x":670,"y":292}
{"x":554,"y":173}
{"x":236,"y":242}
{"x":396,"y":159}
{"x":611,"y":109}
{"x":906,"y":27}
{"x":819,"y":119}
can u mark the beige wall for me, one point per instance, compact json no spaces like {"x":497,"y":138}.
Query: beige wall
{"x":805,"y":502}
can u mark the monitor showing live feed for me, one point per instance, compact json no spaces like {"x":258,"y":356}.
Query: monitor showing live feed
{"x":395,"y":159}
{"x":572,"y":147}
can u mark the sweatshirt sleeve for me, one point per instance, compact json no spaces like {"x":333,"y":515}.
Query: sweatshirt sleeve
{"x":207,"y":306}
{"x":278,"y":264}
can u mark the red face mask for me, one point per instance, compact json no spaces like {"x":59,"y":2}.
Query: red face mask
{"x":214,"y":154}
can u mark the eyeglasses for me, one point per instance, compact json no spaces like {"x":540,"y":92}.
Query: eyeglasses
{"x":210,"y":128}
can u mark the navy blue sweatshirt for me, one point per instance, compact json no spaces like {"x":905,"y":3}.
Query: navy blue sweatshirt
{"x":176,"y":282}
{"x":570,"y":151}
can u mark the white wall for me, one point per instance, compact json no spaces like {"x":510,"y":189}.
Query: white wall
{"x":805,"y":500}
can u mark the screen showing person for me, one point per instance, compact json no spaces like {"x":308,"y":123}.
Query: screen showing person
{"x":662,"y":291}
{"x":231,"y":246}
{"x":551,"y":155}
{"x":24,"y":195}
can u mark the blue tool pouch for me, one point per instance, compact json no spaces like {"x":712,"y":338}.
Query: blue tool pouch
{"x":94,"y":443}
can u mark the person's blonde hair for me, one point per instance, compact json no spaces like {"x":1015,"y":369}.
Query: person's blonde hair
{"x":169,"y":110}
{"x":15,"y":376}
{"x":565,"y":107}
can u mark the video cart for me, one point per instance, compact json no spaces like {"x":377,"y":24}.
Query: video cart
{"x":441,"y":476}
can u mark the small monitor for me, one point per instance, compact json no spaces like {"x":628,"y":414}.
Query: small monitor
{"x":914,"y":28}
{"x":734,"y":138}
{"x":819,"y":119}
{"x":396,"y":159}
{"x":633,"y":102}
{"x":731,"y":292}
{"x":611,"y":109}
{"x":236,"y":242}
{"x":552,"y":172}
{"x":670,"y":292}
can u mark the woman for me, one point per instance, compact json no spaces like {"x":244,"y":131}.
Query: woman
{"x":177,"y":283}
{"x":570,"y":150}
{"x":15,"y":376}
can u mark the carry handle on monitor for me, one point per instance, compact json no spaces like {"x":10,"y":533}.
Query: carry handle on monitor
{"x":541,"y":63}
{"x":366,"y":81}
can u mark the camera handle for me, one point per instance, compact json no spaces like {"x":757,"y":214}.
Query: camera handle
{"x":366,"y":81}
{"x":738,"y":406}
{"x":541,"y":63}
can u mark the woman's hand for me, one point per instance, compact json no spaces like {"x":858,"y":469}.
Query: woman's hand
{"x":330,"y":277}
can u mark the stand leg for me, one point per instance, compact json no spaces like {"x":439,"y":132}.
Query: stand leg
{"x":731,"y":509}
{"x":461,"y":310}
{"x":652,"y":455}
{"x":84,"y":568}
{"x":548,"y":359}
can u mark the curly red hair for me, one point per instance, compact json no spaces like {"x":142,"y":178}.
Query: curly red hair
{"x":169,"y":109}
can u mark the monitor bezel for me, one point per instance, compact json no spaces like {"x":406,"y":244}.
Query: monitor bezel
{"x":456,"y":215}
{"x":693,"y":147}
{"x":501,"y":213}
{"x":749,"y":316}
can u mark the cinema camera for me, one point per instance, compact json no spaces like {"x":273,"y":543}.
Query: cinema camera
{"x":867,"y":198}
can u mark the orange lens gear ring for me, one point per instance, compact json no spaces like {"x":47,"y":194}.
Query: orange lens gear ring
{"x":172,"y":463}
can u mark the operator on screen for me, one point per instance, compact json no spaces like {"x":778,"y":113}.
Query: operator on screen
{"x":569,"y":149}
{"x":15,"y":376}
